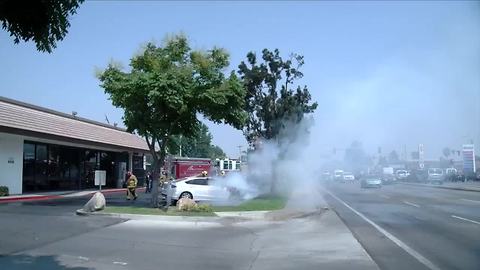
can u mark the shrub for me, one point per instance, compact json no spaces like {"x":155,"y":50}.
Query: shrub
{"x":3,"y":191}
{"x":205,"y":208}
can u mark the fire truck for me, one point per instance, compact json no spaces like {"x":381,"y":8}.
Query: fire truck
{"x":184,"y":167}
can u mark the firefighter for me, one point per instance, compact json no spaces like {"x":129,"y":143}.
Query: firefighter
{"x":131,"y":186}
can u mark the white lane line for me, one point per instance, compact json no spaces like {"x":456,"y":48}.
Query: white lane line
{"x":466,"y":219}
{"x":121,"y":263}
{"x":385,"y":196}
{"x":83,"y":258}
{"x":412,"y":204}
{"x":397,"y":241}
{"x":470,"y":200}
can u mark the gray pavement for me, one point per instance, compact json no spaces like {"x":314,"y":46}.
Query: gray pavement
{"x":319,"y":241}
{"x":440,"y":225}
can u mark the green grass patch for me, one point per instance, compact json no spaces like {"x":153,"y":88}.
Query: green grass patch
{"x":261,"y":203}
{"x":172,"y":211}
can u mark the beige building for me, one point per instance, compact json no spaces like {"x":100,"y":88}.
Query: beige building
{"x":46,"y":150}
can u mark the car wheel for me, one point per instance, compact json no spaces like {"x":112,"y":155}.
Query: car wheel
{"x":187,"y":195}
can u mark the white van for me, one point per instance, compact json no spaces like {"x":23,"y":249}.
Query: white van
{"x":435,"y":175}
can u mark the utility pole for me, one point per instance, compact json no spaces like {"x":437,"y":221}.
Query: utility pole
{"x":239,"y":152}
{"x":180,"y":152}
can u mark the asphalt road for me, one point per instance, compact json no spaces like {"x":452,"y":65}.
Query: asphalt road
{"x":412,"y":227}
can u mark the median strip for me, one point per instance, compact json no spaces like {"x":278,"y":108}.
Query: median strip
{"x":466,"y":219}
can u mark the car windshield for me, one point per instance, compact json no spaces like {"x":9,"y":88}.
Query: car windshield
{"x":239,"y":135}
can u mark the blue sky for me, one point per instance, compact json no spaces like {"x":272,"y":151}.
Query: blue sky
{"x":385,"y":73}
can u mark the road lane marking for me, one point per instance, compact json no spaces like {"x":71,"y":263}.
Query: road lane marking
{"x":466,"y":219}
{"x":470,"y":200}
{"x":397,"y":241}
{"x":385,"y":196}
{"x":121,"y":263}
{"x":412,"y":204}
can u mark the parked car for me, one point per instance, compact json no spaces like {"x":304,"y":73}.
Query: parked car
{"x":371,"y":181}
{"x":198,"y":189}
{"x":348,"y":177}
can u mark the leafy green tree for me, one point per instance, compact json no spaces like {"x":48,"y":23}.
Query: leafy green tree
{"x":43,"y":21}
{"x":272,"y":100}
{"x":198,"y":145}
{"x":217,"y":152}
{"x":167,"y":88}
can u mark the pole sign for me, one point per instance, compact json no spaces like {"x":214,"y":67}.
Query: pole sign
{"x":100,"y":178}
{"x":468,"y":153}
{"x":421,"y":160}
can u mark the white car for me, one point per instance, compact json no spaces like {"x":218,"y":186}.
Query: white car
{"x":198,"y":189}
{"x":401,"y":174}
{"x":348,"y":177}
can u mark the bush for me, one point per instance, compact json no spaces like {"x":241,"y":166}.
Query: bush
{"x":3,"y":191}
{"x":204,"y":208}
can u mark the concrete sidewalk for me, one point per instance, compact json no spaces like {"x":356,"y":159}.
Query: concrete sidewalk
{"x":464,"y":186}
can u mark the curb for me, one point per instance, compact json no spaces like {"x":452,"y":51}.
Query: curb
{"x":443,"y":187}
{"x":151,"y":217}
{"x":55,"y":197}
{"x":30,"y":198}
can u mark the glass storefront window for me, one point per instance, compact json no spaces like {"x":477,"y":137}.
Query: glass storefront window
{"x":56,"y":167}
{"x":28,"y":166}
{"x":41,"y":167}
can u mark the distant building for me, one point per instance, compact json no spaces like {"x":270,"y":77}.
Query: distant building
{"x":46,"y":150}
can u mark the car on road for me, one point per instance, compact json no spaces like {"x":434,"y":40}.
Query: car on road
{"x":401,"y":175}
{"x":198,"y":189}
{"x":348,"y":177}
{"x":326,"y":176}
{"x":338,"y":175}
{"x":435,"y":176}
{"x":371,"y":181}
{"x":388,"y":179}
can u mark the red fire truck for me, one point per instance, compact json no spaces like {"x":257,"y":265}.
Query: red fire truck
{"x":185,"y":167}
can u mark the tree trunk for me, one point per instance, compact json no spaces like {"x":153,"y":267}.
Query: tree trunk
{"x":155,"y":182}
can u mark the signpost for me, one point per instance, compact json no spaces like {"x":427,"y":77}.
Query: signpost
{"x":421,"y":157}
{"x":100,"y":179}
{"x":468,"y":153}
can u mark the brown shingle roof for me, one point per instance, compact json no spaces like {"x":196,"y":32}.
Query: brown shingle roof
{"x":22,"y":116}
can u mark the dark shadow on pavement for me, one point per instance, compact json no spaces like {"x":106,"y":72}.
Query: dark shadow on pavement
{"x":23,"y":262}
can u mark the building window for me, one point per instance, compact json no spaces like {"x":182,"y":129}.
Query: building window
{"x":28,"y":166}
{"x":41,"y":167}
